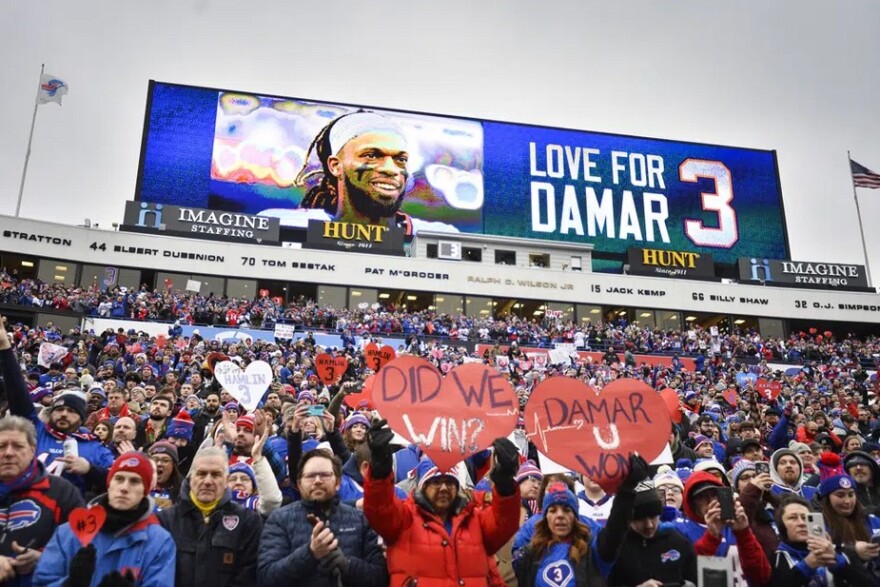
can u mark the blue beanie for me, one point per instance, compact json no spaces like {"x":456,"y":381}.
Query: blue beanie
{"x":357,"y":418}
{"x":832,"y":484}
{"x":558,"y":493}
{"x":246,"y":469}
{"x":427,"y":470}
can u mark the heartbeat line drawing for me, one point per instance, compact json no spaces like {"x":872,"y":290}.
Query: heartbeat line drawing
{"x":610,"y":444}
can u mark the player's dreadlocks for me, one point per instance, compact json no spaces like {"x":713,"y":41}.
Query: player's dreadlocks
{"x":323,"y":195}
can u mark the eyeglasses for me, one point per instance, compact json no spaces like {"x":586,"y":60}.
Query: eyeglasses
{"x":669,"y":489}
{"x":322,"y":475}
{"x":442,"y":481}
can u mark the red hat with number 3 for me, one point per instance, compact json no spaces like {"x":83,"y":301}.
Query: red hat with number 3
{"x":133,"y":462}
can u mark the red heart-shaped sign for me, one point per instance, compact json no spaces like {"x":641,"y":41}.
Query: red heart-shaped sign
{"x":366,"y":393}
{"x":330,"y":369}
{"x":595,"y":433}
{"x":264,"y":293}
{"x":730,"y":396}
{"x":450,"y":418}
{"x":673,"y":404}
{"x":768,"y":389}
{"x":86,"y":523}
{"x":377,"y":358}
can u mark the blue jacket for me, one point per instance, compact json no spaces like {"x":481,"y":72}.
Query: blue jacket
{"x":286,"y":559}
{"x":145,"y":548}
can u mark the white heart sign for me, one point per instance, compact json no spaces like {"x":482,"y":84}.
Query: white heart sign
{"x":248,"y":386}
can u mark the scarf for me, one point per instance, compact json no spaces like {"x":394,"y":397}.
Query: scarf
{"x":120,"y":519}
{"x":104,"y":413}
{"x":206,"y":508}
{"x":23,"y":481}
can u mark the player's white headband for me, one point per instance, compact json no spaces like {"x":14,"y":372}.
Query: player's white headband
{"x":360,"y":123}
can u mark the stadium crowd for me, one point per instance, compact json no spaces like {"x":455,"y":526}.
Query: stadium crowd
{"x":185,"y":487}
{"x":183,"y":307}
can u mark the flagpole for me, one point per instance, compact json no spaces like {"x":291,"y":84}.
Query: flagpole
{"x":27,"y":154}
{"x":859,"y":215}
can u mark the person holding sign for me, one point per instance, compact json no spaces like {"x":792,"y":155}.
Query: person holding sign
{"x":437,"y":538}
{"x":117,"y":541}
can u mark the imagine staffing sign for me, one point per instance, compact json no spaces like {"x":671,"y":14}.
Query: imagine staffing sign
{"x":200,"y":223}
{"x":806,"y":273}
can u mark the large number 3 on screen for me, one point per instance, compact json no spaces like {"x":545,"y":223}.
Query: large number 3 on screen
{"x":727,"y":233}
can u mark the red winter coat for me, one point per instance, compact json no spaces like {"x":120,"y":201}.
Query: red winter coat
{"x":420,"y":551}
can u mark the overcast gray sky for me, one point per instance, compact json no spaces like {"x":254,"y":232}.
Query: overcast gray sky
{"x":797,"y":76}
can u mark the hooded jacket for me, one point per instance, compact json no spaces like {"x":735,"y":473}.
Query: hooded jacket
{"x":753,"y":561}
{"x":421,"y":551}
{"x":779,"y":486}
{"x":144,"y":548}
{"x":869,"y":497}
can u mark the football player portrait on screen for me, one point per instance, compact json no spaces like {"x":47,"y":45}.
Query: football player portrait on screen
{"x":363,"y":159}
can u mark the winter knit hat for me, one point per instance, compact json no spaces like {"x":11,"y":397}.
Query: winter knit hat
{"x":133,"y":462}
{"x":647,"y":503}
{"x":232,"y":406}
{"x":181,"y":426}
{"x":739,"y":468}
{"x":700,"y":439}
{"x":39,"y":393}
{"x":798,"y":447}
{"x":163,"y":447}
{"x":528,"y":469}
{"x":245,"y":422}
{"x":710,"y":465}
{"x":306,"y":396}
{"x":356,"y":418}
{"x":666,"y":476}
{"x":246,"y":469}
{"x":832,"y":484}
{"x":558,"y":493}
{"x":427,"y":470}
{"x":830,"y":465}
{"x":72,"y":401}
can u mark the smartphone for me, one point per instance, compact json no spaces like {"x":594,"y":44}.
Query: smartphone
{"x":725,"y":500}
{"x":815,"y":525}
{"x":762,"y":468}
{"x":316,"y":410}
{"x":875,"y":539}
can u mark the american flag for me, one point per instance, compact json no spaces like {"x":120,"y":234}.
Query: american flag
{"x":864,"y":177}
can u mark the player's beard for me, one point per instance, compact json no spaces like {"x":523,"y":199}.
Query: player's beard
{"x":367,"y":206}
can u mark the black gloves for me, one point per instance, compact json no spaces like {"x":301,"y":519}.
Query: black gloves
{"x":506,"y":466}
{"x":379,"y":440}
{"x":638,"y":472}
{"x":115,"y":579}
{"x":82,"y":567}
{"x":334,"y":563}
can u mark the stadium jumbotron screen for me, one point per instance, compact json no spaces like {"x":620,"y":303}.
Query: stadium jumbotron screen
{"x":243,"y":152}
